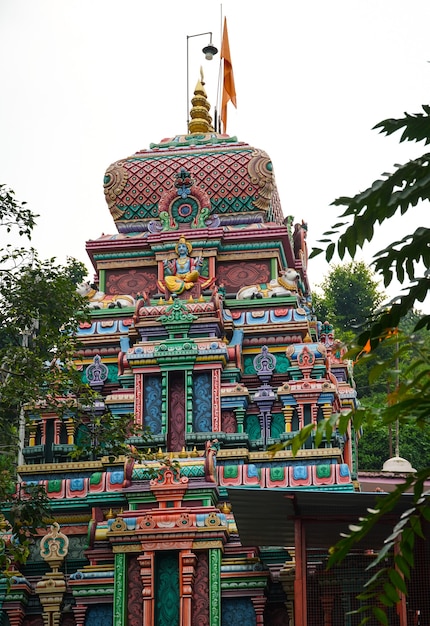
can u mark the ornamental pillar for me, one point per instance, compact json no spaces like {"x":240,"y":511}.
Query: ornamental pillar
{"x":32,"y":435}
{"x":240,"y":417}
{"x":51,"y":589}
{"x":15,"y":615}
{"x":288,"y":417}
{"x":215,"y":587}
{"x":189,"y":400}
{"x":119,"y":590}
{"x":327,"y":410}
{"x":70,"y":429}
{"x":79,"y":612}
{"x":259,"y":603}
{"x":146,"y":561}
{"x":187,"y":573}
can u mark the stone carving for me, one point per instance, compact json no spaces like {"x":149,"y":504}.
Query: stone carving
{"x":101,"y":300}
{"x":285,"y":285}
{"x":182,"y":273}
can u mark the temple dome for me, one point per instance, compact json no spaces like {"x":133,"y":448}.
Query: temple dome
{"x":178,"y":177}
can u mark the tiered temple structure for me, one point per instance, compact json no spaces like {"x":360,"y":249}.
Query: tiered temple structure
{"x":202,"y":328}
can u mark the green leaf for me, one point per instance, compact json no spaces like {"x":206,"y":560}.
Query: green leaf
{"x":397,"y":581}
{"x":380,"y":615}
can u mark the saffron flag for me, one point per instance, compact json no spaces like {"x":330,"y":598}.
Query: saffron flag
{"x":228,"y":88}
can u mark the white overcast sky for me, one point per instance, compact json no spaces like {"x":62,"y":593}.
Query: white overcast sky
{"x":87,"y":82}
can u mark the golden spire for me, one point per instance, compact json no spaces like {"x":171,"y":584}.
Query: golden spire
{"x":201,"y":121}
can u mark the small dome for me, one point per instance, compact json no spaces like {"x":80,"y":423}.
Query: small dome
{"x":397,"y":464}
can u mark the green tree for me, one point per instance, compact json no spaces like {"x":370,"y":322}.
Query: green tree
{"x":38,"y":318}
{"x":350,"y":295}
{"x":40,"y":312}
{"x":409,"y":403}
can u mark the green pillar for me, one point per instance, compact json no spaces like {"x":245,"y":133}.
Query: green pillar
{"x":273,"y":268}
{"x":214,"y":587}
{"x":189,"y":400}
{"x":102,"y":280}
{"x":240,"y":416}
{"x":164,"y":401}
{"x":120,"y":591}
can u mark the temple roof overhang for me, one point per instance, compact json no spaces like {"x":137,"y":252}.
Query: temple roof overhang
{"x":325,"y":514}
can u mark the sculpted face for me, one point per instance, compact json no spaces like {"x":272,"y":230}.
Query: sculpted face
{"x":182,"y":249}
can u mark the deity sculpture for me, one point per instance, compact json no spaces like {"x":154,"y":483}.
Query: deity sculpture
{"x":182,"y":273}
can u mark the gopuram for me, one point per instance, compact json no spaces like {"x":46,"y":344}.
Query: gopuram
{"x":202,"y":328}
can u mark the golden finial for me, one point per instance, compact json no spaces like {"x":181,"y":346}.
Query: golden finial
{"x":183,"y":454}
{"x":225,"y":508}
{"x":160,"y":302}
{"x":201,"y":121}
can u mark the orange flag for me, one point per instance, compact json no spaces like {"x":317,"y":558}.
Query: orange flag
{"x":228,"y":89}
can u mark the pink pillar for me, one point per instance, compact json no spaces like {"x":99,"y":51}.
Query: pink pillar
{"x":259,"y":603}
{"x":146,"y":561}
{"x":15,"y":615}
{"x":187,"y":572}
{"x":79,"y":612}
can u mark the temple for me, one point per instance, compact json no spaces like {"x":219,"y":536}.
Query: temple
{"x":202,"y":328}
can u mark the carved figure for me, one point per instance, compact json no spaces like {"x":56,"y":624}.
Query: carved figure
{"x":182,"y":273}
{"x":100,"y":300}
{"x":285,"y":285}
{"x":300,"y":245}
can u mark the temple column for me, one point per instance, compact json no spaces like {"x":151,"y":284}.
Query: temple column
{"x":164,"y":402}
{"x":216,"y":400}
{"x":138,"y":399}
{"x":52,"y":587}
{"x":70,"y":429}
{"x":215,"y":587}
{"x":120,"y":590}
{"x":79,"y":612}
{"x":14,"y":615}
{"x":259,"y":603}
{"x":300,"y":414}
{"x":187,"y":572}
{"x":288,"y":417}
{"x":327,"y":410}
{"x":189,"y":401}
{"x":32,"y":435}
{"x":146,"y":561}
{"x":240,"y":417}
{"x":57,"y":430}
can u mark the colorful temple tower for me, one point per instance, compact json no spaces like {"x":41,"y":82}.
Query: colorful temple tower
{"x":202,"y":328}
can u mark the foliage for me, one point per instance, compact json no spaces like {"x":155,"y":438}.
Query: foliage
{"x":409,"y":401}
{"x":27,"y":510}
{"x":102,"y":434}
{"x":374,"y":446}
{"x":38,"y":319}
{"x":350,"y":295}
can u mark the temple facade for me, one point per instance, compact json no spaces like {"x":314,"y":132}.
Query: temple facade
{"x":202,"y":329}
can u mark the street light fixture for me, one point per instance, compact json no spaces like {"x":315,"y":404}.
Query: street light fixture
{"x":209,"y":51}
